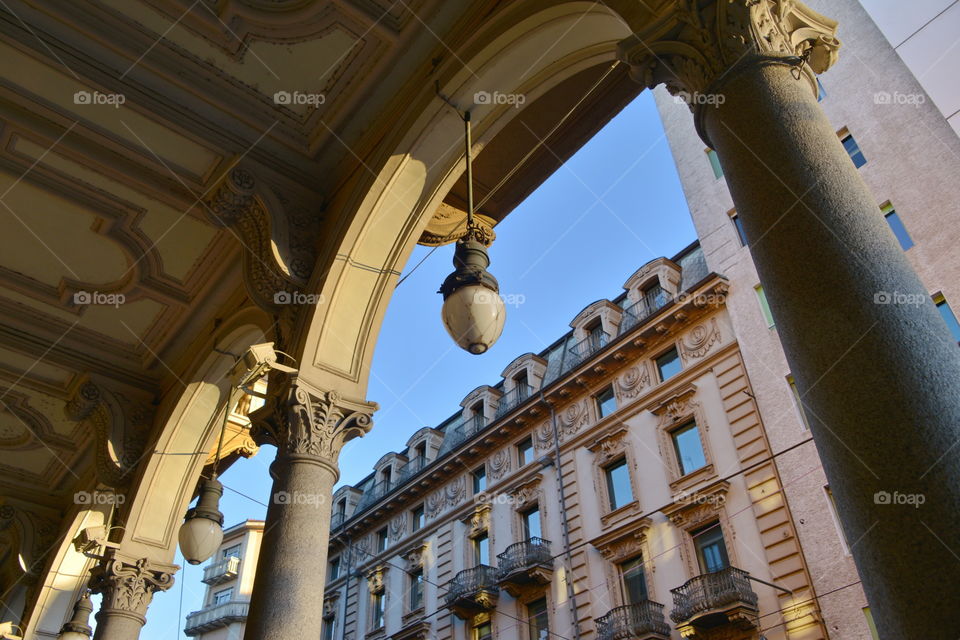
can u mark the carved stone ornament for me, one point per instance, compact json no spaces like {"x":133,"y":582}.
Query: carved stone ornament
{"x":456,"y":491}
{"x":500,"y":463}
{"x":435,"y":504}
{"x":624,"y":543}
{"x":307,"y":424}
{"x":330,"y":605}
{"x":479,"y":520}
{"x":449,"y":224}
{"x":527,"y":493}
{"x":543,"y":437}
{"x":677,"y":407}
{"x":634,"y":381}
{"x":376,"y":579}
{"x":700,"y":340}
{"x":398,"y":527}
{"x":573,"y":417}
{"x":610,"y":446}
{"x":278,"y":254}
{"x":122,"y":426}
{"x":417,"y":556}
{"x":693,"y":48}
{"x":128,"y":586}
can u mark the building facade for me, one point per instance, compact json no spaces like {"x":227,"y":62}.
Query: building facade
{"x":918,"y":206}
{"x":229,"y":579}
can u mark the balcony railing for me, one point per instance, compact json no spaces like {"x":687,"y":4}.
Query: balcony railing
{"x":710,"y":592}
{"x":337,"y":520}
{"x":461,"y":433}
{"x":587,"y":347}
{"x":412,"y":468}
{"x":216,"y":617}
{"x":374,"y":493}
{"x":221,"y":570}
{"x":642,"y":309}
{"x":467,"y":584}
{"x":513,"y":399}
{"x":525,"y":555}
{"x":641,"y":621}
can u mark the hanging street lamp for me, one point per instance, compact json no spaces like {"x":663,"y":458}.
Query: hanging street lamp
{"x":473,"y":311}
{"x":79,"y":626}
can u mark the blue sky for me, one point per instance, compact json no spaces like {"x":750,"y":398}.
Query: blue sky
{"x":611,"y":208}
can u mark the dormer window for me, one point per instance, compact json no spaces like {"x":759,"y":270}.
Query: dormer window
{"x":421,"y":450}
{"x":386,"y":476}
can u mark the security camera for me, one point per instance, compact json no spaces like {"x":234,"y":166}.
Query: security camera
{"x":255,"y":363}
{"x":91,"y":539}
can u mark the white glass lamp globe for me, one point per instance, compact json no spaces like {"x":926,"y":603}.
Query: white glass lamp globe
{"x":474,"y":316}
{"x":199,"y":539}
{"x":202,"y":530}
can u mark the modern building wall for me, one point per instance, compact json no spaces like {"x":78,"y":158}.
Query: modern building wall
{"x":924,"y":35}
{"x":912,"y":160}
{"x":737,"y":491}
{"x":223,"y":616}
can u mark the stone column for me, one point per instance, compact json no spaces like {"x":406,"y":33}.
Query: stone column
{"x":308,"y":427}
{"x":127,"y":586}
{"x":869,"y":352}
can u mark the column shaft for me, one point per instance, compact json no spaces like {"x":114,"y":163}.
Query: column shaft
{"x":874,"y":362}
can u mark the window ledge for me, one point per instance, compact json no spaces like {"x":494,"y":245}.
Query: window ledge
{"x":693,"y":478}
{"x":621,"y":513}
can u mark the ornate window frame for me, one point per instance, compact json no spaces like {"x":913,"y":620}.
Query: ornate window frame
{"x":674,"y":412}
{"x":692,"y":511}
{"x":489,"y":396}
{"x":608,"y":448}
{"x":622,"y":544}
{"x":534,"y":365}
{"x":478,"y":522}
{"x":523,"y":497}
{"x":415,"y":559}
{"x":662,"y":270}
{"x":376,"y":585}
{"x":608,"y":313}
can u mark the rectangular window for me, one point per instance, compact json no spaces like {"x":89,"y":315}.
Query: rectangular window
{"x":853,"y":149}
{"x":483,"y":631}
{"x":538,"y":619}
{"x":764,"y":307}
{"x":479,"y":480}
{"x":634,"y":582}
{"x":531,"y":523}
{"x":525,"y":452}
{"x":947,"y":314}
{"x":417,"y":514}
{"x":382,"y":540}
{"x":738,"y":226}
{"x":711,"y":550}
{"x":223,"y":596}
{"x":655,"y":297}
{"x":714,"y":163}
{"x":618,"y":484}
{"x":797,"y":402}
{"x":896,"y":225}
{"x":328,"y":627}
{"x":689,"y":448}
{"x":669,"y":365}
{"x":335,"y":568}
{"x":416,"y":589}
{"x":832,"y":504}
{"x":871,"y":624}
{"x":481,"y":549}
{"x":232,"y":552}
{"x":606,"y":402}
{"x":378,"y":609}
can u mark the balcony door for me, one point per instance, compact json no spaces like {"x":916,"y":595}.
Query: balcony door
{"x":531,"y":523}
{"x":711,"y":550}
{"x":481,"y":549}
{"x":634,"y":581}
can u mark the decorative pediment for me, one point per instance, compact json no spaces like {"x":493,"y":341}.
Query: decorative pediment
{"x":662,"y":271}
{"x":330,"y":604}
{"x":376,"y":578}
{"x":416,"y":557}
{"x":677,"y":407}
{"x":610,"y":445}
{"x":690,"y":510}
{"x":478,"y":520}
{"x":624,"y":543}
{"x":528,"y":493}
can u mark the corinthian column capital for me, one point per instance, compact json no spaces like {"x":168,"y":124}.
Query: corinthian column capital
{"x":697,"y":44}
{"x":310,"y":425}
{"x":128,"y":585}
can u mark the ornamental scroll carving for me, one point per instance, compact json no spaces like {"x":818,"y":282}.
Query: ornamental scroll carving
{"x":435,"y":504}
{"x":632,"y":383}
{"x":456,"y":491}
{"x":278,"y":243}
{"x":543,"y":437}
{"x":128,"y":586}
{"x":398,"y":527}
{"x":572,"y":418}
{"x":122,"y":426}
{"x":500,"y":464}
{"x":700,"y":340}
{"x":305,"y":423}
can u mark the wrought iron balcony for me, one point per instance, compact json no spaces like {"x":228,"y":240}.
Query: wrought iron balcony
{"x":412,"y":468}
{"x":337,"y":520}
{"x":513,"y":399}
{"x":216,"y":617}
{"x":713,"y":599}
{"x":374,"y":493}
{"x":641,"y":621}
{"x":221,"y":570}
{"x":524,"y":564}
{"x":455,"y":435}
{"x":642,"y":309}
{"x":587,"y":347}
{"x":472,"y":591}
